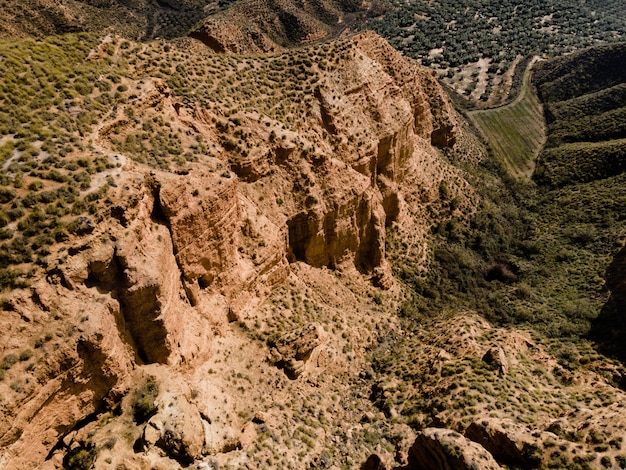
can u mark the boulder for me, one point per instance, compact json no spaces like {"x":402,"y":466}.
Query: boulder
{"x":510,"y":443}
{"x":294,"y":349}
{"x":445,"y":449}
{"x":496,"y":359}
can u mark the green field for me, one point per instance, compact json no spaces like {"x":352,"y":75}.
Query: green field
{"x":515,"y":132}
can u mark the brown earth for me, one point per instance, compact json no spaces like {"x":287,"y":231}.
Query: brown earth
{"x":223,"y":310}
{"x":172,"y":290}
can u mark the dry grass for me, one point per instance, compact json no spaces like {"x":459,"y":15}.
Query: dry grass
{"x":515,"y":132}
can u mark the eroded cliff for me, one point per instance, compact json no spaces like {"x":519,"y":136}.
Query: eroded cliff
{"x":200,"y":272}
{"x":137,"y":328}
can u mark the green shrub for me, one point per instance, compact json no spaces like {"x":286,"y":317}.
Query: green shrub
{"x":6,"y":195}
{"x":144,"y":407}
{"x":9,"y":277}
{"x":81,"y":458}
{"x":9,"y":360}
{"x":26,"y":355}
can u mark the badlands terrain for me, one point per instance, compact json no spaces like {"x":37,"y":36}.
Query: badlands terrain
{"x":278,"y":244}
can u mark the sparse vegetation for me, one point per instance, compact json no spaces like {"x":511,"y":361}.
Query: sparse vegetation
{"x":464,"y":43}
{"x":81,"y":458}
{"x":145,"y":407}
{"x":45,"y":176}
{"x":515,"y":132}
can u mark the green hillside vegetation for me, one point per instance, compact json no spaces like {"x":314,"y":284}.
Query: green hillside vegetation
{"x":582,"y":162}
{"x":515,"y":132}
{"x":584,"y":72}
{"x":447,"y":37}
{"x":533,"y":256}
{"x":591,"y":128}
{"x":585,"y":100}
{"x":588,"y":105}
{"x":53,"y":95}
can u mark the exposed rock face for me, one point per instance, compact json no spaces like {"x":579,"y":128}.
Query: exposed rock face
{"x":81,"y":378}
{"x":141,"y":273}
{"x":323,"y":238}
{"x":433,"y":116}
{"x":177,"y":428}
{"x":126,"y":301}
{"x":445,"y":449}
{"x":152,"y":283}
{"x":508,"y":442}
{"x":204,"y":218}
{"x":293,"y":350}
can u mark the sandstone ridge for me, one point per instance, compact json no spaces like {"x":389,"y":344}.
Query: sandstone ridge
{"x":253,"y":26}
{"x":154,"y":304}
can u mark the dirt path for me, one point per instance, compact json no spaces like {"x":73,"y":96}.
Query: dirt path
{"x":515,"y":131}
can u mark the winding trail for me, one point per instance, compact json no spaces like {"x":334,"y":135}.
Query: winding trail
{"x":515,"y":131}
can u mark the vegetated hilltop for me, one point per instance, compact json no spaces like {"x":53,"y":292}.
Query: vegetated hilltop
{"x":264,"y":26}
{"x":192,"y":243}
{"x":585,"y":96}
{"x":585,"y":102}
{"x":135,"y":18}
{"x":284,"y":261}
{"x":476,"y":46}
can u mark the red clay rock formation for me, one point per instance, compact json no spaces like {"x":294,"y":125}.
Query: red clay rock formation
{"x":178,"y":255}
{"x":444,"y":449}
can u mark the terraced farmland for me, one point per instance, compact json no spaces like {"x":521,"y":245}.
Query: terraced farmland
{"x":515,"y":132}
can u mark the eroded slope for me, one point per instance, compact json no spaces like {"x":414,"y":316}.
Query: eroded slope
{"x":145,"y":335}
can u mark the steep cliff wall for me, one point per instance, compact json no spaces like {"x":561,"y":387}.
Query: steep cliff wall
{"x":138,"y":326}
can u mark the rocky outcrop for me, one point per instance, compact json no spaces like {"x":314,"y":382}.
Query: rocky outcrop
{"x":292,"y":351}
{"x":176,"y":428}
{"x":171,"y":257}
{"x":496,"y":359}
{"x":324,"y":237}
{"x":79,"y":376}
{"x":444,"y":449}
{"x":118,"y":302}
{"x":433,"y":116}
{"x":142,"y":275}
{"x":203,"y":214}
{"x":210,"y":226}
{"x":509,"y":443}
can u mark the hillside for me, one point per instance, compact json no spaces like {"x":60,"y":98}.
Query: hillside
{"x":193,"y":261}
{"x":298,"y":258}
{"x":135,"y":18}
{"x":586,"y":153}
{"x":264,"y":26}
{"x":241,"y":26}
{"x":585,"y":110}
